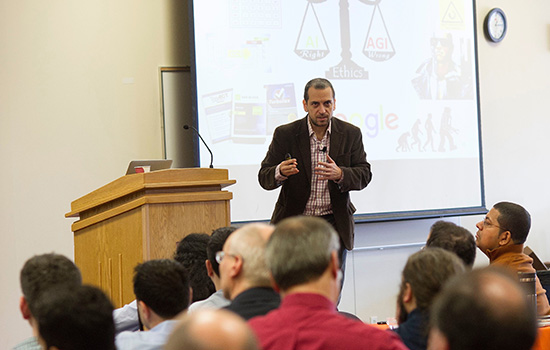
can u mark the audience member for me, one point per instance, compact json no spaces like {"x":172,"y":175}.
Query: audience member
{"x":501,"y":235}
{"x":302,"y":255}
{"x":244,"y":274}
{"x":162,"y":292}
{"x":215,"y":244}
{"x":423,"y":277}
{"x":482,"y":309}
{"x":191,"y":252}
{"x":38,"y":274}
{"x":212,"y":329}
{"x":454,"y":238}
{"x":79,"y":318}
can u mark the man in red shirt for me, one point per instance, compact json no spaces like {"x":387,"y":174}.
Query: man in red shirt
{"x":302,"y":255}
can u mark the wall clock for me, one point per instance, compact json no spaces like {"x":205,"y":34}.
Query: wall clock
{"x":495,"y":25}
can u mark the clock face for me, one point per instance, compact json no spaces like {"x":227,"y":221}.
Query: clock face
{"x":496,"y":25}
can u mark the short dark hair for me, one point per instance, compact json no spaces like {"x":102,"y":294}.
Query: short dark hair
{"x":215,"y":244}
{"x":80,"y":318}
{"x":514,"y":218}
{"x":427,"y":271}
{"x":163,"y":286}
{"x":42,"y":272}
{"x":191,"y":252}
{"x":471,"y":315}
{"x":299,"y":250}
{"x":320,"y":84}
{"x":453,"y":238}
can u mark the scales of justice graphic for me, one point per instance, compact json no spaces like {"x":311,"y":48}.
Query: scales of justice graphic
{"x":312,"y":45}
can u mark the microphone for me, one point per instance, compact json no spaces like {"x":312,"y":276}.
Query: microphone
{"x":324,"y":149}
{"x":186,"y":127}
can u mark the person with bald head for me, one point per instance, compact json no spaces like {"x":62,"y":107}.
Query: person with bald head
{"x":212,"y":329}
{"x":244,"y":276}
{"x":483,"y":309}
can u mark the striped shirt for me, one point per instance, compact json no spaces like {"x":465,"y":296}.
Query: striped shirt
{"x":318,"y":203}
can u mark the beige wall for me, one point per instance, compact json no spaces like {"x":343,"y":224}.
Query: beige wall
{"x":79,"y":99}
{"x":515,"y":103}
{"x":69,"y":122}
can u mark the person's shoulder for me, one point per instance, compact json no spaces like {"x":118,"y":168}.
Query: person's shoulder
{"x":28,"y":344}
{"x":264,"y":320}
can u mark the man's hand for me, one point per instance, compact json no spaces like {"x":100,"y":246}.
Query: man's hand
{"x":289,"y":167}
{"x":328,"y":170}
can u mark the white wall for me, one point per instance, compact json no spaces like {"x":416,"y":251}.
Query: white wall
{"x":69,"y":123}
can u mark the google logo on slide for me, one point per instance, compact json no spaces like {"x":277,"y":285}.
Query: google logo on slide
{"x":373,"y":122}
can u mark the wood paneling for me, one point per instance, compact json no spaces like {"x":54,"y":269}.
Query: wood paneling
{"x":128,"y":229}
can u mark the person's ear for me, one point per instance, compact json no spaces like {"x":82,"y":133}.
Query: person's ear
{"x":504,"y":238}
{"x":334,"y":263}
{"x":273,"y":283}
{"x":305,"y":105}
{"x":209,"y":268}
{"x":407,"y":293}
{"x":24,"y":307}
{"x":237,"y":266}
{"x":437,"y":340}
{"x":143,"y":309}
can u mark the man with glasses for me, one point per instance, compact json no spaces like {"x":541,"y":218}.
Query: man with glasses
{"x":244,"y":276}
{"x":501,"y":235}
{"x":215,"y":245}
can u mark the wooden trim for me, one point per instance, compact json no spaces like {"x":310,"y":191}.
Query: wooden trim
{"x":182,"y":179}
{"x":120,"y":279}
{"x":146,"y":234}
{"x":153,"y":199}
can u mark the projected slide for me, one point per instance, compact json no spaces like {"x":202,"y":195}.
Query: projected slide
{"x":404,"y":72}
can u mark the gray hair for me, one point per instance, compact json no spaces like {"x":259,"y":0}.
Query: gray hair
{"x":249,"y":242}
{"x":299,"y":250}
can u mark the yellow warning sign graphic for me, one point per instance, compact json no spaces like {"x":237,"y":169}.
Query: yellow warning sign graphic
{"x":451,"y":14}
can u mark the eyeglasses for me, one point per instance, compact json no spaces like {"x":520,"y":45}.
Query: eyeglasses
{"x":486,"y":223}
{"x":221,"y":254}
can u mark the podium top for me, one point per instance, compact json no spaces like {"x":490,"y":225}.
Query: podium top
{"x":162,"y":179}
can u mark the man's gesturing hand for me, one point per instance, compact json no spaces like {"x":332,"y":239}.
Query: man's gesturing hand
{"x":328,"y":170}
{"x":289,"y":167}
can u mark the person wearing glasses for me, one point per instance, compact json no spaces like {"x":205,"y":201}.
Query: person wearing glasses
{"x":215,"y":244}
{"x":501,"y":235}
{"x":244,"y":276}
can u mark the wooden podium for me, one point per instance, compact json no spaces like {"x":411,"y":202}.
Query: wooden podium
{"x":140,"y":217}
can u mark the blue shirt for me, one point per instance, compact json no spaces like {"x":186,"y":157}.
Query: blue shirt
{"x":28,"y":344}
{"x":153,"y":339}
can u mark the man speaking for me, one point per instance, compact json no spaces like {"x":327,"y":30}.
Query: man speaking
{"x":317,"y":160}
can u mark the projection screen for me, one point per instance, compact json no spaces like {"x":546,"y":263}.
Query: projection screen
{"x":405,"y":72}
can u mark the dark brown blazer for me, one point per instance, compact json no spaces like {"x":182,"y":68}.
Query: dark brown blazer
{"x":347,"y":151}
